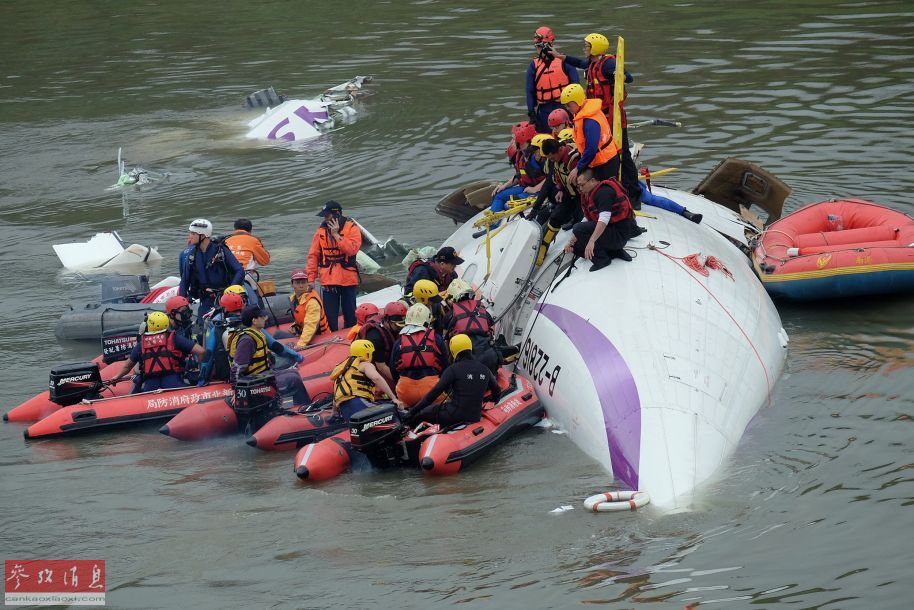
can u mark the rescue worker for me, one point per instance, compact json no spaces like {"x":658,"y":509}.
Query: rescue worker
{"x":381,"y":331}
{"x":547,"y":75}
{"x":249,"y":351}
{"x":428,"y":293}
{"x":225,"y":323}
{"x":178,"y":309}
{"x":248,"y":250}
{"x":466,"y":380}
{"x":593,"y":135}
{"x":468,"y":316}
{"x":561,"y":159}
{"x":363,"y":313}
{"x":207,"y":267}
{"x":609,"y":222}
{"x":309,"y":319}
{"x":418,"y":356}
{"x":600,"y":68}
{"x":355,"y":380}
{"x":440,"y":270}
{"x":160,"y":353}
{"x":331,"y":259}
{"x":558,"y":120}
{"x":528,"y":173}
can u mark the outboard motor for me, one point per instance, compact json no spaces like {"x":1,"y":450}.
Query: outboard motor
{"x":256,"y":401}
{"x":70,"y":383}
{"x":378,"y":433}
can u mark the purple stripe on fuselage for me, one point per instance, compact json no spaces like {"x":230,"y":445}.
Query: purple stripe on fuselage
{"x":615,"y":387}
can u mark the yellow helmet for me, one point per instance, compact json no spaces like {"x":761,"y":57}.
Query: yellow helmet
{"x":460,"y":344}
{"x":566,"y":136}
{"x":362,"y":348}
{"x":573,"y":93}
{"x":157,"y":322}
{"x":538,"y":140}
{"x":418,"y":315}
{"x":458,"y":289}
{"x":599,"y":44}
{"x":424,"y":291}
{"x":234,"y":289}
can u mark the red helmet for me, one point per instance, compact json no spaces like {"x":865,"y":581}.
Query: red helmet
{"x":395,"y":309}
{"x":523,"y":132}
{"x":231,"y":302}
{"x":365,"y":311}
{"x":543,"y":34}
{"x":558,"y":117}
{"x":299,"y":274}
{"x":175,"y":302}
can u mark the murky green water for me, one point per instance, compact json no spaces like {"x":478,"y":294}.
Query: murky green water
{"x":814,"y":511}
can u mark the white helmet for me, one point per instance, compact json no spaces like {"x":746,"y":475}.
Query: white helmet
{"x":418,"y":315}
{"x":460,"y":289}
{"x":201,"y":226}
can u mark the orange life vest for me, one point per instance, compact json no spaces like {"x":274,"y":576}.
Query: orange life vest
{"x":549,"y":80}
{"x":592,"y":109}
{"x":298,"y":314}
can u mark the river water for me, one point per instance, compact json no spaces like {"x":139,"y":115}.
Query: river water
{"x":814,"y":510}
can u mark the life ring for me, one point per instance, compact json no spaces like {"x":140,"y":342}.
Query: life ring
{"x":612,"y":501}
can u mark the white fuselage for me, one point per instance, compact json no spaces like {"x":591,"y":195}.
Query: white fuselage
{"x":653,"y":367}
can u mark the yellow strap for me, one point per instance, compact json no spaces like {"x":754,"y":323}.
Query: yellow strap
{"x":619,"y":92}
{"x":490,"y":217}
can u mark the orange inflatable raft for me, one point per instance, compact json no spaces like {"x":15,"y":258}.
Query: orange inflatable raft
{"x":841,"y":248}
{"x":377,"y":434}
{"x":209,"y":400}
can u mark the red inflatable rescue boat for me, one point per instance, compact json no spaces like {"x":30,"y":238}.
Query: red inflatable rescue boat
{"x":132,"y":409}
{"x":378,"y":434}
{"x":842,"y":248}
{"x":212,"y":419}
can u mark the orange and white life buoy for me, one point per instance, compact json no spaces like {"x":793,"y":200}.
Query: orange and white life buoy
{"x":612,"y":501}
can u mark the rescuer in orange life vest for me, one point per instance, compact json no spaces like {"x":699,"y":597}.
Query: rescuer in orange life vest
{"x":418,"y":355}
{"x":600,"y":68}
{"x":160,"y":353}
{"x":609,"y":221}
{"x":331,"y":259}
{"x":309,"y":319}
{"x":547,"y":75}
{"x":593,"y":135}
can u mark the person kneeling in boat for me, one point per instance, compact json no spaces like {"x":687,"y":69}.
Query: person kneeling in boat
{"x":249,"y":351}
{"x":160,"y":353}
{"x":468,"y":316}
{"x":609,"y":222}
{"x":355,"y":380}
{"x":307,"y":310}
{"x":418,"y":356}
{"x":467,"y":381}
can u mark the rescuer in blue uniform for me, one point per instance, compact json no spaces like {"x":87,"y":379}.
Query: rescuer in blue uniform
{"x":207,"y":267}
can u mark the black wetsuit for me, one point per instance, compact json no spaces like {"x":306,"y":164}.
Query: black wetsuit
{"x":467,"y":381}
